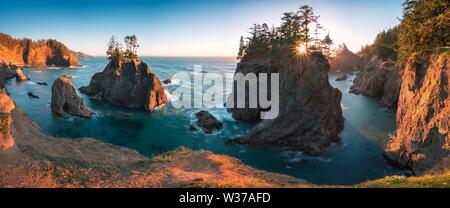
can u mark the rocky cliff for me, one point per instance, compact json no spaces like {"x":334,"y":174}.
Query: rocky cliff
{"x":345,"y":61}
{"x":422,"y":140}
{"x":379,"y":78}
{"x":310,"y":114}
{"x":35,"y":53}
{"x":127,"y":83}
{"x":66,"y":100}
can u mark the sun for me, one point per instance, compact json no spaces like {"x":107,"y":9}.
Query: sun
{"x":301,"y":49}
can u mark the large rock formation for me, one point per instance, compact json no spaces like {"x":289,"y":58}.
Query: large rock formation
{"x":6,"y":106}
{"x":66,"y":100}
{"x":422,"y":139}
{"x":310,"y":114}
{"x":127,"y":83}
{"x":35,"y":53}
{"x":345,"y":61}
{"x":379,"y":78}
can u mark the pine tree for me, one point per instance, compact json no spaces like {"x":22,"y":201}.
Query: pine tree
{"x":242,"y":48}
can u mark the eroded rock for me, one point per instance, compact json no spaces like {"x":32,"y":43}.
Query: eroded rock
{"x":422,"y":140}
{"x":128,"y":83}
{"x":208,"y":122}
{"x":310,"y":115}
{"x":6,"y":106}
{"x":66,"y":100}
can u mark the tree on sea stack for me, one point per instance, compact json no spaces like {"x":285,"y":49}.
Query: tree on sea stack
{"x":115,"y":51}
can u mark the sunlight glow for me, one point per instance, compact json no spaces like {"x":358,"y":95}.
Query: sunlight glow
{"x":301,"y":49}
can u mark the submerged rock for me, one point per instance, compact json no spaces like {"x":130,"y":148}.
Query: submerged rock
{"x":310,"y":114}
{"x":422,"y":140}
{"x":208,"y":122}
{"x":379,"y":78}
{"x":20,"y":76}
{"x":167,"y":81}
{"x":66,"y":100}
{"x":342,"y":78}
{"x":128,"y":83}
{"x":42,"y":83}
{"x":6,"y":106}
{"x":32,"y":95}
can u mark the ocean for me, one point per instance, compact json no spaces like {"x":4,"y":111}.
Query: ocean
{"x":359,"y":158}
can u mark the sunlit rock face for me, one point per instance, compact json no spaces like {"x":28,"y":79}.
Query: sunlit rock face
{"x":6,"y":106}
{"x":66,"y":100}
{"x":422,"y":141}
{"x":310,"y":114}
{"x":35,"y":53}
{"x":128,"y":83}
{"x":379,"y":78}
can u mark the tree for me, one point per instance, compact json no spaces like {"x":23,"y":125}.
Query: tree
{"x":242,"y":48}
{"x":114,"y":51}
{"x":424,"y":29}
{"x":327,"y":42}
{"x":306,"y":15}
{"x":317,"y":41}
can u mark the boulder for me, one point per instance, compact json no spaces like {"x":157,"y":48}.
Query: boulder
{"x":32,"y":95}
{"x":422,"y":139}
{"x":342,"y":78}
{"x":167,"y":81}
{"x":207,"y":122}
{"x":6,"y":106}
{"x":127,"y":83}
{"x":66,"y":100}
{"x":310,"y":114}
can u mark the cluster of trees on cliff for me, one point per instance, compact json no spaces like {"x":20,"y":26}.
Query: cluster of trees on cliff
{"x":424,"y":30}
{"x":25,"y":43}
{"x":300,"y":27}
{"x":115,"y":51}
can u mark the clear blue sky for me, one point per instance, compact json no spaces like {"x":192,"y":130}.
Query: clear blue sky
{"x":185,"y":27}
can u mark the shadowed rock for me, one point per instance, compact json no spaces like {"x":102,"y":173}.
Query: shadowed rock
{"x":310,"y":115}
{"x":66,"y":100}
{"x":129,"y":83}
{"x":208,"y":122}
{"x":379,"y":78}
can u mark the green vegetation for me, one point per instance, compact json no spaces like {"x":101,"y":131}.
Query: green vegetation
{"x":297,"y":29}
{"x":424,"y":30}
{"x":4,"y":123}
{"x":428,"y":181}
{"x":115,"y":50}
{"x":385,"y":45}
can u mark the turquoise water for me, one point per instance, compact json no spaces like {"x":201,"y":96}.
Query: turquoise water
{"x":357,"y":159}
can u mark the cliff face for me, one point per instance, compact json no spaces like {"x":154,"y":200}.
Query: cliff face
{"x":422,"y":140}
{"x":379,"y":78}
{"x":35,"y":53}
{"x":345,"y":61}
{"x":6,"y":106}
{"x":66,"y":100}
{"x":310,"y":114}
{"x":129,"y":83}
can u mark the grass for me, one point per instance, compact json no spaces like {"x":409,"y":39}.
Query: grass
{"x":428,"y":181}
{"x":4,"y":123}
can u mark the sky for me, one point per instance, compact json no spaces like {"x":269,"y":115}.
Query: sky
{"x":186,"y":27}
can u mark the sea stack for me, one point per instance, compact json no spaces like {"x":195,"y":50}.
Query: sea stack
{"x":422,"y":140}
{"x":345,"y":61}
{"x":127,"y":83}
{"x":66,"y":100}
{"x":310,"y":114}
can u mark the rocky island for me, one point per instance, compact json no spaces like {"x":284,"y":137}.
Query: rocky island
{"x":66,"y":100}
{"x":310,"y":115}
{"x":127,"y":82}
